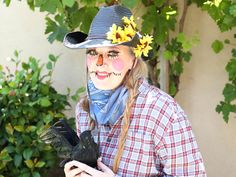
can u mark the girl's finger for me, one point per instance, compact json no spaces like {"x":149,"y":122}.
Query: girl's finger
{"x":84,"y":175}
{"x":104,"y":168}
{"x":73,"y":173}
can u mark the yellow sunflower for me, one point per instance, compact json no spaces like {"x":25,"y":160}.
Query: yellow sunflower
{"x":129,"y":32}
{"x":129,"y":22}
{"x":137,"y":51}
{"x":144,"y":46}
{"x":116,"y":34}
{"x":125,"y":33}
{"x":146,"y":39}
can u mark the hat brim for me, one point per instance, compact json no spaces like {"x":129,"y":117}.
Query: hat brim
{"x":77,"y":40}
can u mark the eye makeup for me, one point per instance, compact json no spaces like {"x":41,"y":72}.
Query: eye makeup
{"x":91,"y":52}
{"x":111,"y":53}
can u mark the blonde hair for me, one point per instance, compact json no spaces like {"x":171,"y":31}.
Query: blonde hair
{"x":131,"y":82}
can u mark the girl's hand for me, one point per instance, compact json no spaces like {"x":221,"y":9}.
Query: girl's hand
{"x":83,"y":170}
{"x":71,"y":170}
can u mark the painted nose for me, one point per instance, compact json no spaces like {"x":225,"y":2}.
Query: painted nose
{"x":100,"y":60}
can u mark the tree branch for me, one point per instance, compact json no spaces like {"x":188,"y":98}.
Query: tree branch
{"x":182,"y":20}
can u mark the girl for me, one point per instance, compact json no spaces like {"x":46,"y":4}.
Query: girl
{"x":142,"y":131}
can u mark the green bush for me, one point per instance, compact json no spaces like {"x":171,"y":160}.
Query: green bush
{"x":28,"y":105}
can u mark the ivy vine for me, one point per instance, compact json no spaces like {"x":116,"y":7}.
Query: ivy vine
{"x":223,"y":12}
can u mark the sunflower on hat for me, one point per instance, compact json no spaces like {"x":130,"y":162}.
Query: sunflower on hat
{"x":119,"y":34}
{"x":144,"y":46}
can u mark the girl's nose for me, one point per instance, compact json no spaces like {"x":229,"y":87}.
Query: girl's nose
{"x":100,"y":60}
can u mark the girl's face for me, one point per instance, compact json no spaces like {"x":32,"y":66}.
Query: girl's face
{"x":107,"y":66}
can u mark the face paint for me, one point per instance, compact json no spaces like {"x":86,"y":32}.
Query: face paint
{"x":109,"y":73}
{"x":118,"y":64}
{"x":100,"y":60}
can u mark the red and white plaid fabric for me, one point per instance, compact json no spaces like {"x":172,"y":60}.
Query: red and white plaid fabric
{"x":160,"y":140}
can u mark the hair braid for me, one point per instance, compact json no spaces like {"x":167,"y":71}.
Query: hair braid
{"x":132,"y":86}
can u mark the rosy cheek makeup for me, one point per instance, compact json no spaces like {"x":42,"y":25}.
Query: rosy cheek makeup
{"x":118,"y":64}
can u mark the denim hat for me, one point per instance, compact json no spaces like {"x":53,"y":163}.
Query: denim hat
{"x":100,"y":26}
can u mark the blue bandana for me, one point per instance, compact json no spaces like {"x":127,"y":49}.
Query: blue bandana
{"x":107,"y":105}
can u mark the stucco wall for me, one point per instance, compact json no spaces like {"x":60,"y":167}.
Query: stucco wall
{"x":23,"y":30}
{"x":200,"y":89}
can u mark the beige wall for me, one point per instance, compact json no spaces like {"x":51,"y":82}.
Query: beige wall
{"x":200,"y":89}
{"x":23,"y":29}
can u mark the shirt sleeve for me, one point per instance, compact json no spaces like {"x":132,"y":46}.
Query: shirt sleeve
{"x":77,"y":117}
{"x":178,"y":151}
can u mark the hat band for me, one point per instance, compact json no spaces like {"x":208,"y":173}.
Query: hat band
{"x":96,"y":37}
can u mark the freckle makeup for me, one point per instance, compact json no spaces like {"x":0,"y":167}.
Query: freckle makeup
{"x":118,"y":64}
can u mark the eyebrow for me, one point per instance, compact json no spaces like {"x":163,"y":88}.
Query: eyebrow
{"x":113,"y":51}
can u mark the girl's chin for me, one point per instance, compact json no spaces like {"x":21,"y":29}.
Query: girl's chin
{"x":106,"y":84}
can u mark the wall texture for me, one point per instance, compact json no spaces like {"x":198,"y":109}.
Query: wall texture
{"x":23,"y":30}
{"x":200,"y":89}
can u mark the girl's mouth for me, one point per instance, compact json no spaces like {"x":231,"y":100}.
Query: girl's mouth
{"x":102,"y":75}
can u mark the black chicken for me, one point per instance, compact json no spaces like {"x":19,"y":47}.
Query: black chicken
{"x":71,"y":147}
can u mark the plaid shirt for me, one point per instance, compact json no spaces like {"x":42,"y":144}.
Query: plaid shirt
{"x":160,"y":141}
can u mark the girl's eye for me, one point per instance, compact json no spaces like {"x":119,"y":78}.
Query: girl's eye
{"x":91,"y":52}
{"x":113,"y":54}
